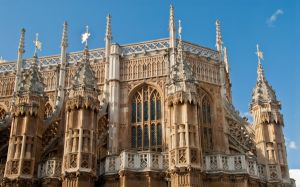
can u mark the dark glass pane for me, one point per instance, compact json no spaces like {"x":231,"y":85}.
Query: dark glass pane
{"x":205,"y":138}
{"x":153,"y":133}
{"x":152,"y":112}
{"x":146,"y":137}
{"x":139,"y":137}
{"x":139,"y":112}
{"x":159,"y":134}
{"x":133,"y":113}
{"x":208,"y":114}
{"x":133,"y":137}
{"x":158,"y":109}
{"x":210,"y":143}
{"x":145,"y":110}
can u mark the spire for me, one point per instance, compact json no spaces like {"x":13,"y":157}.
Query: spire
{"x":21,"y":51}
{"x":226,"y":59}
{"x":64,"y":40}
{"x":21,"y":43}
{"x":180,"y":45}
{"x":219,"y":41}
{"x":172,"y":28}
{"x":108,"y":36}
{"x":263,"y":92}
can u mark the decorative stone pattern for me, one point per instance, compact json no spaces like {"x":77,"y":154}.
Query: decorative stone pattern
{"x":155,"y":113}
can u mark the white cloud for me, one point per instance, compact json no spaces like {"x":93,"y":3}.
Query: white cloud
{"x":292,"y":145}
{"x":295,"y":174}
{"x":271,"y":20}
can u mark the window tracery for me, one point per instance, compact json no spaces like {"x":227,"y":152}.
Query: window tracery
{"x":206,"y":121}
{"x":146,"y":128}
{"x":48,"y":110}
{"x":2,"y":114}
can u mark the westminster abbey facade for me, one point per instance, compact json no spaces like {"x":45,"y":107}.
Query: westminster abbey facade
{"x":151,"y":114}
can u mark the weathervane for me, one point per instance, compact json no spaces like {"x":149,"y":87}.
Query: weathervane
{"x":37,"y":44}
{"x":259,"y":53}
{"x":85,"y":36}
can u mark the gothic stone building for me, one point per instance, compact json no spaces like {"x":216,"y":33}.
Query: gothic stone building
{"x":156,"y":113}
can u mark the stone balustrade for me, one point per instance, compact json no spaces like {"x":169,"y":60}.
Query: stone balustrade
{"x":136,"y":161}
{"x":50,"y":168}
{"x":152,"y":161}
{"x":234,"y":164}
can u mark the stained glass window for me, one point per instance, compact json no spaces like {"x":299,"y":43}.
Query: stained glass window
{"x":206,"y":116}
{"x":207,"y":133}
{"x":158,"y":109}
{"x":146,"y":136}
{"x":152,"y":108}
{"x":153,"y":134}
{"x":133,"y":113}
{"x":133,"y":136}
{"x":159,"y":134}
{"x":146,"y":110}
{"x":139,"y":112}
{"x":139,"y":136}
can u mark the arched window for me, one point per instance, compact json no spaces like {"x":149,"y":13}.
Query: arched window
{"x":2,"y":114}
{"x":146,"y":128}
{"x":206,"y":119}
{"x":48,"y":111}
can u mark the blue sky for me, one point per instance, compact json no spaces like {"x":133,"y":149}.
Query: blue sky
{"x":274,"y":24}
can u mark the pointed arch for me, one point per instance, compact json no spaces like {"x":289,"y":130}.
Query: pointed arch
{"x":145,"y":118}
{"x":206,"y":123}
{"x":3,"y":114}
{"x":48,"y":110}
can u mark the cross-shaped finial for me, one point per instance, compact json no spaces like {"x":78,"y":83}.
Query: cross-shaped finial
{"x":37,"y":44}
{"x":85,"y":36}
{"x":259,"y":53}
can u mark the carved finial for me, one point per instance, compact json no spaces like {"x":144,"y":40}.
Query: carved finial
{"x":180,"y":46}
{"x":64,"y":40}
{"x":179,"y":29}
{"x":226,"y":59}
{"x":259,"y":54}
{"x":172,"y":28}
{"x":260,"y":69}
{"x":37,"y":44}
{"x":108,"y":27}
{"x":108,"y":37}
{"x":85,"y":36}
{"x":219,"y":41}
{"x":22,"y":41}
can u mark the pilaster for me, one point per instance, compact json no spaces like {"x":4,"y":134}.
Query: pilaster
{"x":114,"y":99}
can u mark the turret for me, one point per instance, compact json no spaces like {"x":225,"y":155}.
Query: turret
{"x":268,"y":125}
{"x":185,"y":145}
{"x":26,"y":127}
{"x":82,"y":107}
{"x":172,"y":37}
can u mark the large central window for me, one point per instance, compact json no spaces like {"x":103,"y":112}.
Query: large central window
{"x":146,"y":127}
{"x":207,"y":134}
